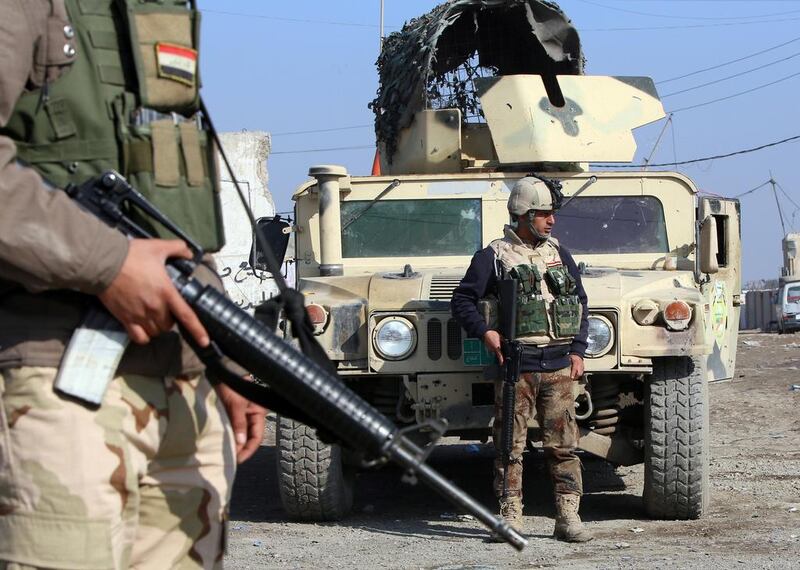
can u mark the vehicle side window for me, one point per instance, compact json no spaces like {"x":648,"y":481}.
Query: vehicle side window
{"x":722,"y":241}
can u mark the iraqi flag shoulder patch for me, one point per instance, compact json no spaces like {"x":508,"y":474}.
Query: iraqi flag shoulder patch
{"x":176,"y":62}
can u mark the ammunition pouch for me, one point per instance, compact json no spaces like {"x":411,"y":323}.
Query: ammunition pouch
{"x":566,"y":308}
{"x":531,"y":306}
{"x":164,"y":37}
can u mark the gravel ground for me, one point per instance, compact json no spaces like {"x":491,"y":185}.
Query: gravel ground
{"x":753,"y":522}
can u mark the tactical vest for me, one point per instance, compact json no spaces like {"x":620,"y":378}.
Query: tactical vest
{"x":129,"y":102}
{"x":548,"y":308}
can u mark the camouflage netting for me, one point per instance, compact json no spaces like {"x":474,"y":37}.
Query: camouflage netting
{"x":431,"y":62}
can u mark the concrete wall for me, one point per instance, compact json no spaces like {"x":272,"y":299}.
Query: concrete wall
{"x":758,"y":312}
{"x":248,"y":153}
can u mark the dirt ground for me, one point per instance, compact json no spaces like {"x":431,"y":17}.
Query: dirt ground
{"x":753,"y":522}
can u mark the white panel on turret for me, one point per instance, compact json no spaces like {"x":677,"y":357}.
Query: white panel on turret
{"x":593,"y":125}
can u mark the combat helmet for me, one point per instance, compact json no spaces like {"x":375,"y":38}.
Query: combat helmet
{"x":527,"y":195}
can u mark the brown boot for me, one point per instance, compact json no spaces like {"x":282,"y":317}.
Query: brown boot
{"x":568,"y":524}
{"x":511,"y":512}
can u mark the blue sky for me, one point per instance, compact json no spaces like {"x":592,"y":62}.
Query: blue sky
{"x":309,"y":65}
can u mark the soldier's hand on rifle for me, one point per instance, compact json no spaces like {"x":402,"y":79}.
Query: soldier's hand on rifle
{"x":576,"y":368}
{"x":493,"y":342}
{"x":142,"y":296}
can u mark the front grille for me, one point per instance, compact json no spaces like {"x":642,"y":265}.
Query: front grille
{"x":453,"y":339}
{"x":434,"y":339}
{"x":442,"y":288}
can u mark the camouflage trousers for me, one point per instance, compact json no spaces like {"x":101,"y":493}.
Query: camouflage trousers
{"x":144,"y":481}
{"x":549,"y":396}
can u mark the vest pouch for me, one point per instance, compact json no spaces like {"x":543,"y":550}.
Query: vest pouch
{"x":174,"y":166}
{"x":165,"y":39}
{"x":531,"y":316}
{"x":567,"y":316}
{"x":559,"y":281}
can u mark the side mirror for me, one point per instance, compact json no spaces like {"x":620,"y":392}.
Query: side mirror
{"x":708,"y":246}
{"x":275,"y":232}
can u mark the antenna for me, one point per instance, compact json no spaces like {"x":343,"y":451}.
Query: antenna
{"x":775,"y":193}
{"x":658,"y":140}
{"x":380,"y":45}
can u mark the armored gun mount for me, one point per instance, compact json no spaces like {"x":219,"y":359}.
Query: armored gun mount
{"x":498,"y":85}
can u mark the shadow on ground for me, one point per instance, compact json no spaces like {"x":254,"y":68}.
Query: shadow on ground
{"x":385,"y":504}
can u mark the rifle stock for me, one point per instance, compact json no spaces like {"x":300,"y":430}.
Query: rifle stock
{"x":290,"y":374}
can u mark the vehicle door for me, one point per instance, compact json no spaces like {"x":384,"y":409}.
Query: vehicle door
{"x":723,"y":292}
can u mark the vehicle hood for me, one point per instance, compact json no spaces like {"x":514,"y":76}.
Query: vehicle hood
{"x":607,"y":287}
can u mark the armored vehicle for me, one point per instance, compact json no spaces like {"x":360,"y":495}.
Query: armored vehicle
{"x":378,"y":257}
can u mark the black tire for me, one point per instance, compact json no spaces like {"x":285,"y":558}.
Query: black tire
{"x":676,"y":464}
{"x":314,"y":483}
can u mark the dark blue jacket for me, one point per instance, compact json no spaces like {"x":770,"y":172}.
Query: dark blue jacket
{"x":481,"y":279}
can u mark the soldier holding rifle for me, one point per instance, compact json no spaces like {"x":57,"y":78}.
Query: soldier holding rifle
{"x":543,"y":319}
{"x":144,"y":478}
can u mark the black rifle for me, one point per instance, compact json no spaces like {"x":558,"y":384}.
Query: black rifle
{"x":512,"y":359}
{"x":298,"y":386}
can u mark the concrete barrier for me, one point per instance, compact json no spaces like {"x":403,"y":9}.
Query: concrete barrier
{"x":758,"y":311}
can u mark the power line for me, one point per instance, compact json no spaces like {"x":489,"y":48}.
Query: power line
{"x":728,"y":155}
{"x":715,"y":18}
{"x":735,"y":94}
{"x":304,"y":151}
{"x":723,"y":64}
{"x":685,"y":27}
{"x":752,"y":190}
{"x":795,"y":204}
{"x":731,"y":76}
{"x":292,"y":20}
{"x":620,"y":29}
{"x":286,"y":133}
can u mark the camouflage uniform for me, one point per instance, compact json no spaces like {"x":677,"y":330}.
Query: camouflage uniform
{"x":142,"y":482}
{"x":549,"y":396}
{"x":145,"y":479}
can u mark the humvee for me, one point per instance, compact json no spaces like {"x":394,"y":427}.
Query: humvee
{"x":378,"y":258}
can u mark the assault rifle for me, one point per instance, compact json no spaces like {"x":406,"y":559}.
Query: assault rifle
{"x":298,"y":386}
{"x":512,"y":359}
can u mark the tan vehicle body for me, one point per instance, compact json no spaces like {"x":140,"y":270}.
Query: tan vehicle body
{"x":648,"y":374}
{"x":370,"y":288}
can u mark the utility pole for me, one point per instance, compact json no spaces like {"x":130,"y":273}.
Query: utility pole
{"x":775,"y":193}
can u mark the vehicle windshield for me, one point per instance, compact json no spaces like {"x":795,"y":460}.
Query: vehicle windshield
{"x":612,"y":224}
{"x":793,"y":294}
{"x":411,"y":228}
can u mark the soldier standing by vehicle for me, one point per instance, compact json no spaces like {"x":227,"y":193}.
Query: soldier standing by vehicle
{"x":551,"y":324}
{"x":143,"y":479}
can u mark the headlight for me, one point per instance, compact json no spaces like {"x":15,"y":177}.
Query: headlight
{"x":601,"y":336}
{"x":395,"y":338}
